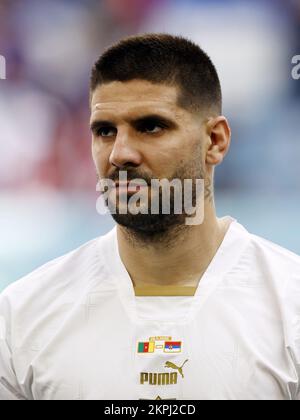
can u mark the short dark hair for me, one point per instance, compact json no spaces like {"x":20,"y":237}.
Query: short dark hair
{"x":165,"y":59}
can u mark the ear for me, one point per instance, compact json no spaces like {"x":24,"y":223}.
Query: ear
{"x":219,"y":133}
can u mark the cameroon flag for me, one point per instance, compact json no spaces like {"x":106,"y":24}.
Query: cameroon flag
{"x":146,"y":347}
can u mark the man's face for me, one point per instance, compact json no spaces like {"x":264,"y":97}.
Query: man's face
{"x":138,"y":127}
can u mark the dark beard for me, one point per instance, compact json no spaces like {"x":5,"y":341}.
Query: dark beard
{"x":158,"y":228}
{"x":150,"y":227}
{"x":148,"y":230}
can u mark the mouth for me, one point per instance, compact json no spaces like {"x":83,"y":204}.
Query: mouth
{"x":128,"y":187}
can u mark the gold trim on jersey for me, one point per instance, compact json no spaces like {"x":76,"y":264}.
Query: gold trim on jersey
{"x":165,"y":291}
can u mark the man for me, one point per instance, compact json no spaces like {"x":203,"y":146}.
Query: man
{"x":159,"y":308}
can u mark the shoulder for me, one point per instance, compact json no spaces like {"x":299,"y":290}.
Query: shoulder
{"x":61,"y":279}
{"x":273,"y":247}
{"x":275,"y":255}
{"x":263,"y":254}
{"x":280,"y":270}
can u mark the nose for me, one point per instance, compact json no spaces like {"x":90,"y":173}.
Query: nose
{"x":124,"y":152}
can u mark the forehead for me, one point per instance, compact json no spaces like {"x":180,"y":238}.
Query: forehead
{"x":135,"y":97}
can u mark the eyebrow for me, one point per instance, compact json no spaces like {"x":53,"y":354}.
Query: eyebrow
{"x":137,"y":122}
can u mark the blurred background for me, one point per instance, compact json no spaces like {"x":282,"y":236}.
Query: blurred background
{"x":47,"y":178}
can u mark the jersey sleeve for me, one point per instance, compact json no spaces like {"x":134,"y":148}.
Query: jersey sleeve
{"x":9,"y":387}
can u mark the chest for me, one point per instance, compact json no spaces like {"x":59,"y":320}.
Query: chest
{"x":200,"y":360}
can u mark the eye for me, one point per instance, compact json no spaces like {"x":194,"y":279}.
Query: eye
{"x":105,"y":132}
{"x":151,"y":128}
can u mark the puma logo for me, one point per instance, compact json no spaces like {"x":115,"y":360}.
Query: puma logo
{"x":173,"y":366}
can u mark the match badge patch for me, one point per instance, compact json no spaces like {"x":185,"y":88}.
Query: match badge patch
{"x":159,"y":345}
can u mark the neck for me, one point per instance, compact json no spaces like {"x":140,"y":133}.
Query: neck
{"x":179,"y":260}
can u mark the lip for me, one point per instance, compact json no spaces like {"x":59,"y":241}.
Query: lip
{"x":128,"y":187}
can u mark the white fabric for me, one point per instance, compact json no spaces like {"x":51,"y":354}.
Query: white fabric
{"x":71,"y":329}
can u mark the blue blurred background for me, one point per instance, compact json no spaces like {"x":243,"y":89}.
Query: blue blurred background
{"x":47,"y":178}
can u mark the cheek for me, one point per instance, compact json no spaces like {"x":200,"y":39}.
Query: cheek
{"x":166,"y":160}
{"x":100,"y":156}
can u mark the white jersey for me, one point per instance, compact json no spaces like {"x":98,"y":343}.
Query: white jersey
{"x":75,"y":329}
